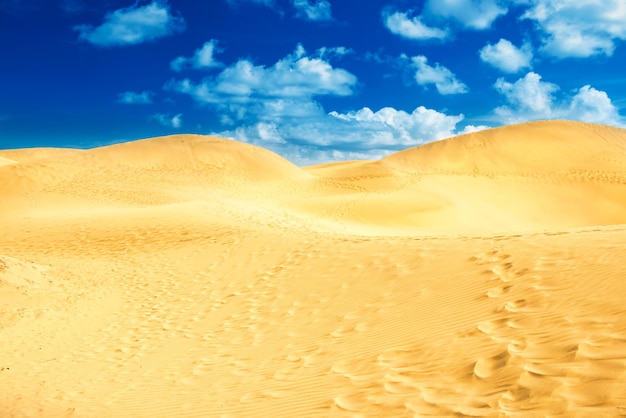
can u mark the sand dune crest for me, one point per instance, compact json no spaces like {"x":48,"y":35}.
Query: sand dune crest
{"x":532,"y":148}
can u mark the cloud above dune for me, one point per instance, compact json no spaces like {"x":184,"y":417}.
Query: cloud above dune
{"x":591,"y":105}
{"x":399,"y":23}
{"x":133,"y":25}
{"x":297,"y":75}
{"x":392,"y":128}
{"x":578,"y":28}
{"x":528,"y":95}
{"x":506,"y":57}
{"x":531,"y":98}
{"x":471,"y":14}
{"x":444,"y":80}
{"x":361,"y":130}
{"x":278,"y":107}
{"x":439,"y":19}
{"x":312,"y":135}
{"x":169,"y":121}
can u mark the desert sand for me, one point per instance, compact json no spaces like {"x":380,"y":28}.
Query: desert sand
{"x":192,"y":276}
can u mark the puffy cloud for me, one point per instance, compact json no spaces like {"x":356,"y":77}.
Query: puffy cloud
{"x":175,"y":121}
{"x":314,"y":136}
{"x":507,"y":57}
{"x":579,"y":28}
{"x":296,"y":75}
{"x":133,"y":25}
{"x":412,"y":28}
{"x":276,"y":107}
{"x":317,"y":10}
{"x":466,"y":14}
{"x":472,"y":14}
{"x":591,"y":105}
{"x":392,"y":129}
{"x":131,"y":97}
{"x":529,"y":98}
{"x":444,"y":80}
{"x":202,"y":58}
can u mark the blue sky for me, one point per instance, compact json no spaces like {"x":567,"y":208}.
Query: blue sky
{"x":313,"y":80}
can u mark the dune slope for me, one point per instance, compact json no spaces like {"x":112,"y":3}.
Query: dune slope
{"x":193,"y":276}
{"x":538,"y":175}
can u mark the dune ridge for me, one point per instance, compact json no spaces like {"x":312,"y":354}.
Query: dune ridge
{"x":195,"y":276}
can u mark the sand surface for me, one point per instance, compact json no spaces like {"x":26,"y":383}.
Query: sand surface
{"x":190,"y":276}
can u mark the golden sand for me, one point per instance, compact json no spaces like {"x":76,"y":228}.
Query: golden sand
{"x":191,"y":276}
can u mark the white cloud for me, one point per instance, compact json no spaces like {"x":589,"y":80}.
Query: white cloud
{"x":276,"y":107}
{"x":326,"y":53}
{"x":529,"y":98}
{"x":412,"y":28}
{"x":472,"y":14}
{"x":392,"y":129}
{"x":444,"y":80}
{"x":507,"y":57}
{"x":133,"y":25}
{"x":202,"y":58}
{"x":591,"y":105}
{"x":317,"y":10}
{"x":175,"y":121}
{"x":315,"y":136}
{"x":131,"y":97}
{"x":296,"y":75}
{"x":579,"y":28}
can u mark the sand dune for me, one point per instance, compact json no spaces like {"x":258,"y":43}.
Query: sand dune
{"x":195,"y":276}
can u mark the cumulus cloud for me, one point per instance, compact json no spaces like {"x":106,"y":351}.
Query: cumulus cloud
{"x":296,"y":75}
{"x":391,"y":128}
{"x":507,"y":57}
{"x":579,"y":28}
{"x":315,"y":136}
{"x":133,"y":25}
{"x":472,"y":14}
{"x":401,"y":24}
{"x":316,"y":10}
{"x":175,"y":121}
{"x":444,"y":80}
{"x":468,"y":14}
{"x":202,"y":58}
{"x":530,"y":98}
{"x":591,"y":105}
{"x":276,"y":106}
{"x":131,"y":97}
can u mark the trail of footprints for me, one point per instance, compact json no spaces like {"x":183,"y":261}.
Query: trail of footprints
{"x":541,"y":362}
{"x":532,"y":360}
